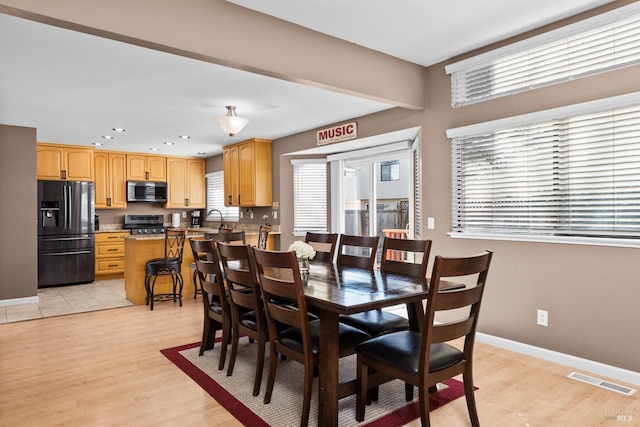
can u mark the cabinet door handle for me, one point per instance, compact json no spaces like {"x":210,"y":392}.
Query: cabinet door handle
{"x":108,"y":201}
{"x":113,"y":237}
{"x":239,"y":202}
{"x":230,"y":199}
{"x":113,"y":265}
{"x":186,"y":202}
{"x":63,"y":174}
{"x":146,"y":175}
{"x":112,"y":249}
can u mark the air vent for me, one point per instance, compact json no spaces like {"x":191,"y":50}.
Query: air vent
{"x":601,"y":383}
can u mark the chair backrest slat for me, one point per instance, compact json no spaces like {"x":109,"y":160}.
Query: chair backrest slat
{"x":396,"y":259}
{"x":240,"y":277}
{"x":324,"y":245}
{"x":227,"y":236}
{"x":358,"y":251}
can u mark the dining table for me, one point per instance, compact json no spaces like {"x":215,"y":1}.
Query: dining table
{"x":331,"y":291}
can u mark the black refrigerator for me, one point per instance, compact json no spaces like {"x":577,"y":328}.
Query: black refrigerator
{"x":66,"y":242}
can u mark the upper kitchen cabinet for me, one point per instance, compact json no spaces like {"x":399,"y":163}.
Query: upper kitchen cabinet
{"x":247,"y":173}
{"x":111,"y":180}
{"x":56,"y":162}
{"x":146,"y":168}
{"x":186,"y":183}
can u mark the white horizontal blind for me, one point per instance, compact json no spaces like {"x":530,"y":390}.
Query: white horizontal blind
{"x":309,"y":195}
{"x":215,"y":199}
{"x":572,"y":176}
{"x":607,"y":47}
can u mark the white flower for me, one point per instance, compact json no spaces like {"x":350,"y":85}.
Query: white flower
{"x":302,"y":249}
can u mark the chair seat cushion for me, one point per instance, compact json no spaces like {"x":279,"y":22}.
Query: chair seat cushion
{"x":215,"y":307}
{"x":349,"y":337}
{"x":249,"y":320}
{"x":402,"y":351}
{"x":159,"y":265}
{"x":376,"y":322}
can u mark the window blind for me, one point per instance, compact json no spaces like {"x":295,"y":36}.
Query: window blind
{"x":215,"y":199}
{"x":309,"y":195}
{"x":606,"y":47}
{"x":577,"y":175}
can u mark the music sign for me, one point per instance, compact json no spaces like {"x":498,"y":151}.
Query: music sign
{"x":339,"y":133}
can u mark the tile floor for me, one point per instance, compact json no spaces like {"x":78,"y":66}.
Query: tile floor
{"x":62,"y":300}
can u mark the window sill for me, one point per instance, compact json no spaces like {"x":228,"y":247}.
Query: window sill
{"x":569,"y":240}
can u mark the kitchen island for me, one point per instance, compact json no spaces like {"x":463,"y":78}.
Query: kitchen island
{"x":138,"y":249}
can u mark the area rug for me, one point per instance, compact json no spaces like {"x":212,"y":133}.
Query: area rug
{"x":235,"y":392}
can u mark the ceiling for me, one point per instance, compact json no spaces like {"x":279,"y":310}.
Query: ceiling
{"x":76,"y":88}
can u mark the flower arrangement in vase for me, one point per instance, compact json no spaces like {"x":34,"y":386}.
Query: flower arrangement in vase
{"x":304,"y":252}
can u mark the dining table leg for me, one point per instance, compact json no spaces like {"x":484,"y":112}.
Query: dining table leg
{"x":328,"y":380}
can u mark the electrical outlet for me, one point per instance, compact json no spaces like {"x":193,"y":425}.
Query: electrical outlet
{"x":184,"y":214}
{"x":275,"y":214}
{"x":543,"y":318}
{"x":431,"y":223}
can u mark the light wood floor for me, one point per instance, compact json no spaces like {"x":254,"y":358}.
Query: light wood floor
{"x":104,"y":369}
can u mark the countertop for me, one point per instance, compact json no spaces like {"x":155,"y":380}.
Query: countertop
{"x":190,"y":233}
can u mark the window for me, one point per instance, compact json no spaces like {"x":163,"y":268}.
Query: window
{"x":309,"y":196}
{"x":215,"y":199}
{"x":571,"y":171}
{"x":605,"y":42}
{"x":390,"y":171}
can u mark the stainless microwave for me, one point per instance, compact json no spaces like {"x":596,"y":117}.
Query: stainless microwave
{"x":146,"y":191}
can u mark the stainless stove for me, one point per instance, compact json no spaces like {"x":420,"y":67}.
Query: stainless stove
{"x":144,"y":224}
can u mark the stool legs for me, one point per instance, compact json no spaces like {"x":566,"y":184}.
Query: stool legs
{"x":177,"y":287}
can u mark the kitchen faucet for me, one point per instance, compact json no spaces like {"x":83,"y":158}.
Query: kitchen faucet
{"x":220,"y":213}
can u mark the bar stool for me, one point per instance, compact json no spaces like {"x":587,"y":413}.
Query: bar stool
{"x":170,"y":265}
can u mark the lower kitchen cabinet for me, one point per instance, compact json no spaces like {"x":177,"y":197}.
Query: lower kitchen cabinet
{"x":110,"y":254}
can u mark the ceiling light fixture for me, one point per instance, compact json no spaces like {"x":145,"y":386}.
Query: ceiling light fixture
{"x":107,"y":137}
{"x":231,"y":123}
{"x":118,"y":129}
{"x":168,"y":143}
{"x":184,"y":137}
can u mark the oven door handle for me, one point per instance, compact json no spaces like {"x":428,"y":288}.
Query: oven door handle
{"x":68,"y":253}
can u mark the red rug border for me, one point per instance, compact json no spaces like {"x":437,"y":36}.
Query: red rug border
{"x":242,"y":413}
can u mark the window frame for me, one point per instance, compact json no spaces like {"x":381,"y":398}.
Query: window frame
{"x":569,"y":69}
{"x":618,"y":102}
{"x":321,"y":207}
{"x":229,"y":213}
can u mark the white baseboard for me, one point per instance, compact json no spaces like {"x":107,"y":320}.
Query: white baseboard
{"x":609,"y":371}
{"x":18,"y":301}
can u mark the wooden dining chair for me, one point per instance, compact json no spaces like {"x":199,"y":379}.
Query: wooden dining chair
{"x":358,"y":251}
{"x":245,"y":300}
{"x":286,"y":305}
{"x":231,"y":235}
{"x":423,"y":359}
{"x":217,"y":312}
{"x":263,"y":236}
{"x":416,"y":256}
{"x":324,"y":245}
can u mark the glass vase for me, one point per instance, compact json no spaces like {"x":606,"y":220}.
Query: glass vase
{"x":303,"y":264}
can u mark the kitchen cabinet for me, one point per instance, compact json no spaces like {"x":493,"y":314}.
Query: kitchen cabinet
{"x":110,"y":180}
{"x":110,"y":253}
{"x":185,"y":183}
{"x":247,"y":173}
{"x":146,"y":168}
{"x":60,"y":162}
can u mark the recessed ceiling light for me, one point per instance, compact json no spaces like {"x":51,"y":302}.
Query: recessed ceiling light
{"x":184,"y":137}
{"x":201,"y":152}
{"x":97,"y":144}
{"x":118,"y":129}
{"x":168,"y":143}
{"x":154,"y":149}
{"x":107,"y":137}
